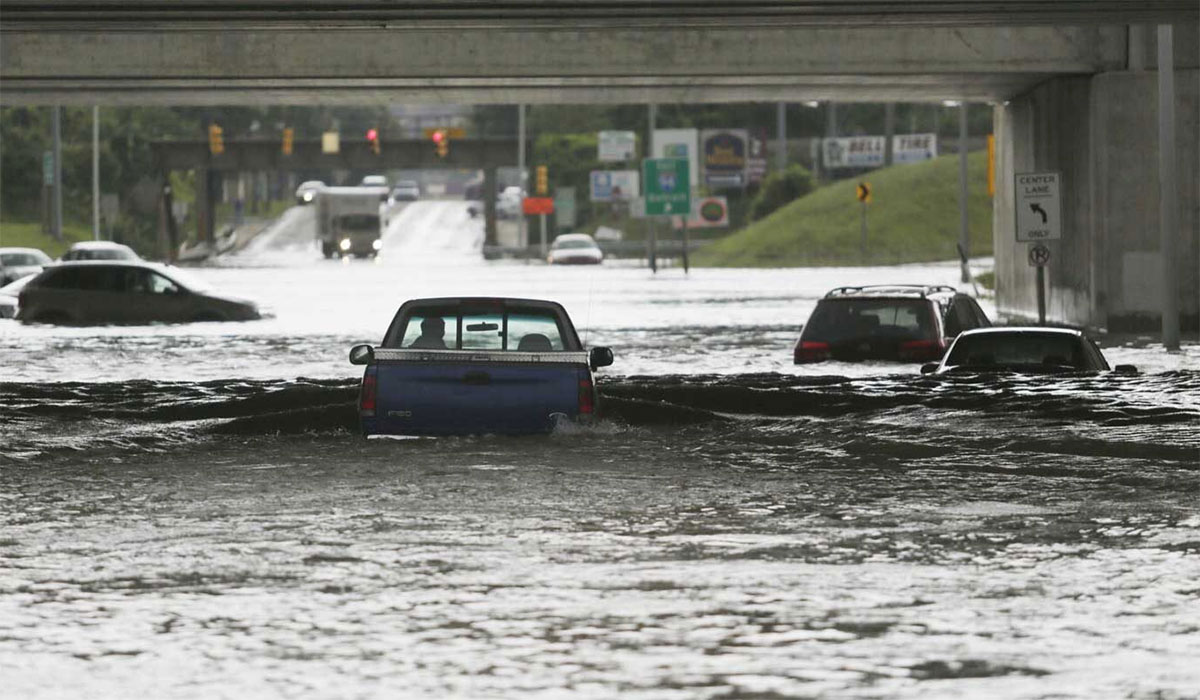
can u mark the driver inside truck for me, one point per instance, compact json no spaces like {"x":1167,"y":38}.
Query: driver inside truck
{"x":433,"y":330}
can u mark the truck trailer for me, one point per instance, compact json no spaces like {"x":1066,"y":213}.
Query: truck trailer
{"x":348,"y":220}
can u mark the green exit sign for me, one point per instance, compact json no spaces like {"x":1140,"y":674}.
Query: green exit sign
{"x":667,"y":186}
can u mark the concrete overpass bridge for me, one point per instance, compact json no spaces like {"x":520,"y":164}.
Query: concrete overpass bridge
{"x":1073,"y":84}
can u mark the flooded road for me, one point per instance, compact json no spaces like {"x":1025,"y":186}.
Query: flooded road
{"x":185,"y":511}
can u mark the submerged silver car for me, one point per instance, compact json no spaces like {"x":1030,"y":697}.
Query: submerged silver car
{"x":16,"y":263}
{"x":110,"y":292}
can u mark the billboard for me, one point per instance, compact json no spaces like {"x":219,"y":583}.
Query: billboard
{"x":679,"y":143}
{"x":707,"y":212}
{"x":853,"y":152}
{"x":724,"y":155}
{"x":616,"y":145}
{"x":913,"y":148}
{"x":614,"y":185}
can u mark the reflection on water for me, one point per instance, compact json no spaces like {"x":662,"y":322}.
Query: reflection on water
{"x":187,"y":511}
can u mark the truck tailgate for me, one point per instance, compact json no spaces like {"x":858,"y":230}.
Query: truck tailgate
{"x":441,"y":393}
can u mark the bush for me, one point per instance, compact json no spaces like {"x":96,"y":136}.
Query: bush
{"x":780,"y":188}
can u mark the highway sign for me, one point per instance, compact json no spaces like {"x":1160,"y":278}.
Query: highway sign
{"x":1039,"y":255}
{"x":1039,"y":208}
{"x":613,"y":185}
{"x":667,"y":183}
{"x":863,"y":192}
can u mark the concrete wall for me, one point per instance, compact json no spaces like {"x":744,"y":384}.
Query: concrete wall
{"x":1101,"y":133}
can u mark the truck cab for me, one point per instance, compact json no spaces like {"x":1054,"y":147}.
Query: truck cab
{"x":474,"y":365}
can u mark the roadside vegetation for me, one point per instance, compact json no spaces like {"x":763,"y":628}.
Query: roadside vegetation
{"x":28,"y":234}
{"x":912,"y":217}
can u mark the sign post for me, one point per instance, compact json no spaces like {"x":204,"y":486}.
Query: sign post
{"x":1039,"y":255}
{"x":863,"y":193}
{"x":1039,"y":219}
{"x":668,"y":192}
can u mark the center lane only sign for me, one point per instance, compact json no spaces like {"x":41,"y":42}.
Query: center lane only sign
{"x":1039,"y":208}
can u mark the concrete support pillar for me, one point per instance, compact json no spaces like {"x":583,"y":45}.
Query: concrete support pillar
{"x":1168,"y":189}
{"x":1139,"y":47}
{"x":96,"y":173}
{"x":490,"y":236}
{"x":207,"y":184}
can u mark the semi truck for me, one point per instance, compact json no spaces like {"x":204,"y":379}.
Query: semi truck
{"x":348,"y":220}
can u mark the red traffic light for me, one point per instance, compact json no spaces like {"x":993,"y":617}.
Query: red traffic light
{"x":372,"y":134}
{"x":438,"y":136}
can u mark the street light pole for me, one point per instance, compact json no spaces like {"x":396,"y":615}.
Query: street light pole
{"x":963,"y":239}
{"x":96,"y":172}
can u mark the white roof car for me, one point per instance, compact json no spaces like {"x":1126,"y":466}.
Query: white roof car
{"x":575,"y":249}
{"x":307,"y":191}
{"x":100,"y":250}
{"x":374,"y":181}
{"x":16,"y":263}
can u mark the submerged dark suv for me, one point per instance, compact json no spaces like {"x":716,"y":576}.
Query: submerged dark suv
{"x":904,"y":323}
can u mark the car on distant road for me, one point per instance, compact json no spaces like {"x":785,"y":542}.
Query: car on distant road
{"x":1030,"y":350}
{"x":125,"y":292}
{"x":575,"y":249}
{"x":474,"y":365}
{"x":374,"y":181}
{"x":99,"y":250}
{"x":405,"y":191}
{"x":9,"y":294}
{"x":16,"y":263}
{"x":901,"y":323}
{"x":307,"y":191}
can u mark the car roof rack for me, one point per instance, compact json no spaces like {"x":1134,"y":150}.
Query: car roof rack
{"x":920,"y":290}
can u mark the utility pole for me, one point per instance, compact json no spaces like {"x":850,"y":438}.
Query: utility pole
{"x":1168,"y":189}
{"x":523,"y":234}
{"x":781,"y":135}
{"x":56,"y":127}
{"x":889,"y":131}
{"x":96,"y":172}
{"x":652,"y":224}
{"x":963,"y":240}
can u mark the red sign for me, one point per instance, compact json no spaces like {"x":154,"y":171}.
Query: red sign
{"x":538,"y":205}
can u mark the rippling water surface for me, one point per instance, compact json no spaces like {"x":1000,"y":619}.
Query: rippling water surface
{"x":186,"y":511}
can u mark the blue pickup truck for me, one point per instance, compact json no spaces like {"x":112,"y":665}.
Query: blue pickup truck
{"x":472,"y":365}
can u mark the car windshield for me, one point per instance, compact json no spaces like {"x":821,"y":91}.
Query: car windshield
{"x":520,"y":329}
{"x":358,"y":222}
{"x":20,"y":259}
{"x":573,"y":243}
{"x":837,"y":320}
{"x":1018,"y":349}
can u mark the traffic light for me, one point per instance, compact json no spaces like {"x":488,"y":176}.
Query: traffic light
{"x":216,"y":139}
{"x":373,"y":139}
{"x":288,"y":135}
{"x":541,"y":185}
{"x":441,"y":142}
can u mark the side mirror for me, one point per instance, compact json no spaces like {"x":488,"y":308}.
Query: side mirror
{"x":362,"y":355}
{"x":1125,"y":369}
{"x":600,"y":357}
{"x":929,"y":368}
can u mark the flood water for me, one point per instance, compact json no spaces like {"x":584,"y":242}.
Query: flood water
{"x":186,"y":511}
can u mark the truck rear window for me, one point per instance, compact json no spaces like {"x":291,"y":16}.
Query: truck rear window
{"x":837,"y":320}
{"x":522,"y":330}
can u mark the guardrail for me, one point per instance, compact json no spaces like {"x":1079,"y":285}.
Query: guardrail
{"x":626,"y":250}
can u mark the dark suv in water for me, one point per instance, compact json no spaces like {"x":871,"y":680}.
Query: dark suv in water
{"x":904,"y":323}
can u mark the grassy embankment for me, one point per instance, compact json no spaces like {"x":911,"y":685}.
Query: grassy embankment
{"x":912,"y":217}
{"x":28,"y":234}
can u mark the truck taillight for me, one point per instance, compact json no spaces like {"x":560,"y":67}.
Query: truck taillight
{"x":587,"y":397}
{"x":922,"y":350}
{"x":366,"y":395}
{"x":810,"y":351}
